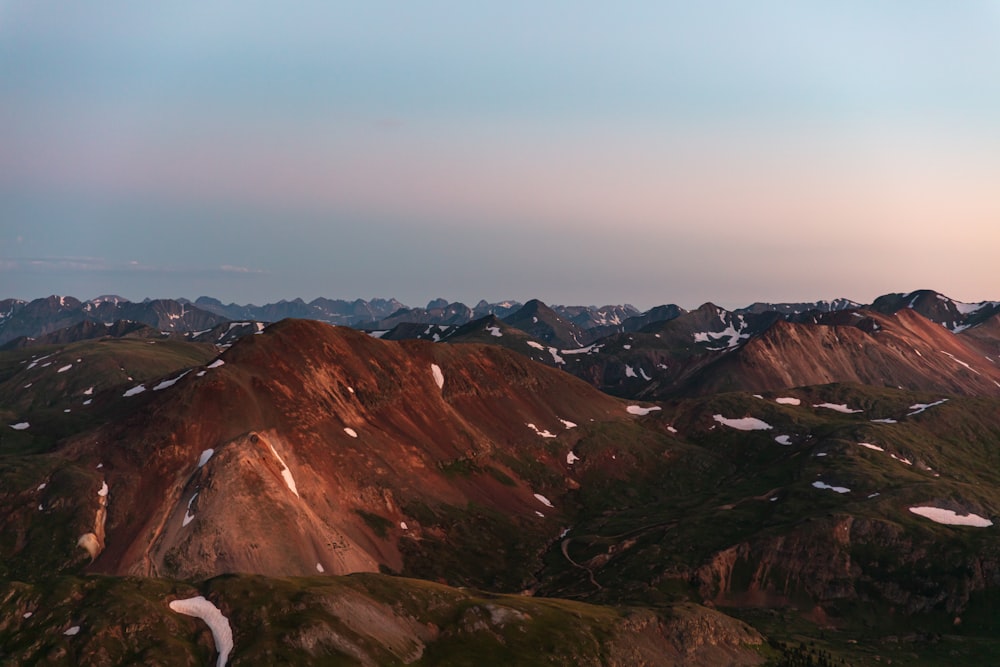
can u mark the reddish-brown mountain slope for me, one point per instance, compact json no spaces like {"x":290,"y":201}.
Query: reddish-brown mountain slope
{"x":900,"y":350}
{"x":320,"y":438}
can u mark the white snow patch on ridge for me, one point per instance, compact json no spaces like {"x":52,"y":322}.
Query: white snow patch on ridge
{"x":495,"y":331}
{"x":839,"y":407}
{"x":205,"y":456}
{"x":959,"y":361}
{"x":285,"y":472}
{"x":20,"y":426}
{"x":170,"y":383}
{"x":134,"y":391}
{"x":216,"y":363}
{"x":438,"y":376}
{"x":65,"y":368}
{"x":567,"y":423}
{"x":871,"y":446}
{"x":920,"y":407}
{"x":350,"y":431}
{"x":545,"y":434}
{"x":639,"y":410}
{"x":543,"y":500}
{"x":783,"y":439}
{"x":744,"y":423}
{"x":951,"y":518}
{"x":838,"y":489}
{"x":730,"y":332}
{"x":222,"y":633}
{"x":788,"y":400}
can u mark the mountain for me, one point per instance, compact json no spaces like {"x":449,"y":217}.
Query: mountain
{"x":544,"y":324}
{"x":783,"y":488}
{"x":87,"y":330}
{"x":45,"y":316}
{"x":799,"y":308}
{"x":903,"y":350}
{"x":334,"y":441}
{"x":953,"y":315}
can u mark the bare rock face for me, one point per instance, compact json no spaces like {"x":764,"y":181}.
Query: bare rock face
{"x":692,"y":636}
{"x":847,"y":558}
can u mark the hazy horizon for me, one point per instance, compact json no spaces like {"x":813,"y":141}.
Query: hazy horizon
{"x":573,"y":152}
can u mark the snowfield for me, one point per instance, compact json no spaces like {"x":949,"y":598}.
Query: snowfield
{"x":543,"y":500}
{"x":838,"y":407}
{"x":222,"y":633}
{"x":438,"y":376}
{"x":639,"y":410}
{"x":743,"y":423}
{"x":950,"y":518}
{"x":837,"y":489}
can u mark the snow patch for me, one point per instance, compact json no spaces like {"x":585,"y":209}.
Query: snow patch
{"x":205,"y":456}
{"x":871,"y":446}
{"x":222,"y":633}
{"x":783,"y":439}
{"x":89,"y":392}
{"x":134,"y":391}
{"x":438,"y":376}
{"x":543,"y":500}
{"x":285,"y":472}
{"x":644,"y":376}
{"x":743,"y":423}
{"x":75,"y":630}
{"x":639,"y":410}
{"x":65,"y":368}
{"x":837,"y":489}
{"x":402,"y":524}
{"x":20,"y":426}
{"x":730,"y":332}
{"x":950,"y":518}
{"x":788,"y":400}
{"x":567,"y":423}
{"x":920,"y":407}
{"x":838,"y":407}
{"x":495,"y":331}
{"x":537,"y":346}
{"x":350,"y":431}
{"x":216,"y":363}
{"x":188,"y":517}
{"x":629,"y":372}
{"x":885,"y":421}
{"x":170,"y":383}
{"x":319,"y":568}
{"x":545,"y":434}
{"x":103,"y":491}
{"x":571,"y":458}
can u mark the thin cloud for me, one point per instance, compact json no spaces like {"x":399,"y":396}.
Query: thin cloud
{"x":229,"y":268}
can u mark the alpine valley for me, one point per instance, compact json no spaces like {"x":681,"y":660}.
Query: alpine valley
{"x":365,"y":483}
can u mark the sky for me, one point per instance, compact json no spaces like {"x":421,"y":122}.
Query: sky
{"x":577,"y":152}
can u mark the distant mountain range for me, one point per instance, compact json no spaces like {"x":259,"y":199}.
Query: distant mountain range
{"x":560,"y":325}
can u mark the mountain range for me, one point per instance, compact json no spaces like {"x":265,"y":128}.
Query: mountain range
{"x":784,"y":484}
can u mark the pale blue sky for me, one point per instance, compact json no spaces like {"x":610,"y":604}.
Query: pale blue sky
{"x":578,"y":152}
